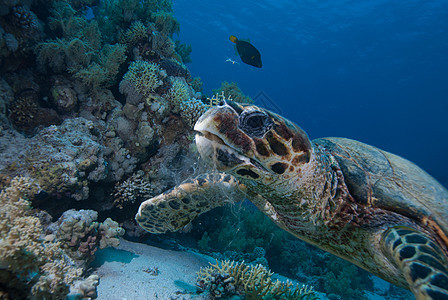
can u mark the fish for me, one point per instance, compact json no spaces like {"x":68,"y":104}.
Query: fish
{"x":248,"y":53}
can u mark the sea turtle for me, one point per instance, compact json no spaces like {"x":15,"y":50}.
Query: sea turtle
{"x":370,"y":207}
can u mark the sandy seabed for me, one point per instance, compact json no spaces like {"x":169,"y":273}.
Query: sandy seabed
{"x":138,"y":271}
{"x":134,"y":271}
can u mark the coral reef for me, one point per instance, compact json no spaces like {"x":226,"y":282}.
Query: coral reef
{"x":65,"y":158}
{"x":80,"y":235}
{"x":191,"y":110}
{"x":228,"y":278}
{"x":145,"y":77}
{"x":103,"y":72}
{"x":6,"y":96}
{"x":20,"y":29}
{"x":137,"y":32}
{"x":184,"y":51}
{"x":99,"y":109}
{"x":132,"y":190}
{"x":26,"y":115}
{"x":179,"y":92}
{"x":26,"y":254}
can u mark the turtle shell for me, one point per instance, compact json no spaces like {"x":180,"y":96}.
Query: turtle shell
{"x":380,"y":179}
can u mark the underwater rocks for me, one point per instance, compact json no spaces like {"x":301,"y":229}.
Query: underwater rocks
{"x":29,"y":262}
{"x":81,"y":235}
{"x":63,"y":98}
{"x":64,"y":159}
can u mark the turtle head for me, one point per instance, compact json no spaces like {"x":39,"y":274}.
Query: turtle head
{"x":251,"y":143}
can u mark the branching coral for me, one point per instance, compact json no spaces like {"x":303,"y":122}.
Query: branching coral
{"x":191,"y":110}
{"x":227,"y":278}
{"x":104,"y":71}
{"x":136,"y":33}
{"x":179,"y":92}
{"x":166,"y":23}
{"x":60,"y":54}
{"x":216,"y":98}
{"x":144,"y":76}
{"x":132,"y":190}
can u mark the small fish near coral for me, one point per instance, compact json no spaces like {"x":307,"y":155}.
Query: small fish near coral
{"x":248,"y":53}
{"x":370,"y":207}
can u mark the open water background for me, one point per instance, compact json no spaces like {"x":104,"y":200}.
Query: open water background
{"x":370,"y":70}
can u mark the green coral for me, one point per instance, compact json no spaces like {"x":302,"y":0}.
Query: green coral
{"x":197,"y":84}
{"x":179,"y":92}
{"x":79,"y":49}
{"x":103,"y":72}
{"x":229,"y":278}
{"x":166,"y":23}
{"x":113,"y":14}
{"x":184,"y":51}
{"x":144,"y":76}
{"x":137,"y":32}
{"x":76,"y":46}
{"x":60,"y":54}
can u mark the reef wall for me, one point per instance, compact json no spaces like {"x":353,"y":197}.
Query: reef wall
{"x":96,"y":112}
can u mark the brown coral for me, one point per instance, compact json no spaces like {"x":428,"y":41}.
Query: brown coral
{"x":22,"y":17}
{"x":228,"y":278}
{"x":132,"y":190}
{"x":80,"y":235}
{"x":24,"y":251}
{"x":26,"y":114}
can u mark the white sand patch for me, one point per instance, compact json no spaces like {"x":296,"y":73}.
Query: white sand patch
{"x":127,"y":273}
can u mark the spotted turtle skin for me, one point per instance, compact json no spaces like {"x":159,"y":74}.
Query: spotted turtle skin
{"x":368,"y":206}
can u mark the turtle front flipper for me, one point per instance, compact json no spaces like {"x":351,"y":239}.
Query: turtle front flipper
{"x":422,"y":261}
{"x":180,"y":205}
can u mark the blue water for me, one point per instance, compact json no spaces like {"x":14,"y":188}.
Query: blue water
{"x":375,"y":71}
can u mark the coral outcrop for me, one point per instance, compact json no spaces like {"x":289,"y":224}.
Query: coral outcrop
{"x":145,"y":77}
{"x":62,"y":158}
{"x":26,"y":256}
{"x":227,"y":278}
{"x":81,"y":235}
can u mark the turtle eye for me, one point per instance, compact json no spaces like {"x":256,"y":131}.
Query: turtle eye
{"x":255,"y":123}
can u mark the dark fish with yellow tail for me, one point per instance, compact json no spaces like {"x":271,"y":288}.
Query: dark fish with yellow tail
{"x":248,"y":53}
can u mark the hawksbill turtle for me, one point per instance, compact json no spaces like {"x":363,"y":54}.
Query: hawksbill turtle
{"x":365,"y":205}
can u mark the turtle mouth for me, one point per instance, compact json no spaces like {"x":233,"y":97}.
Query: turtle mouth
{"x":214,"y":148}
